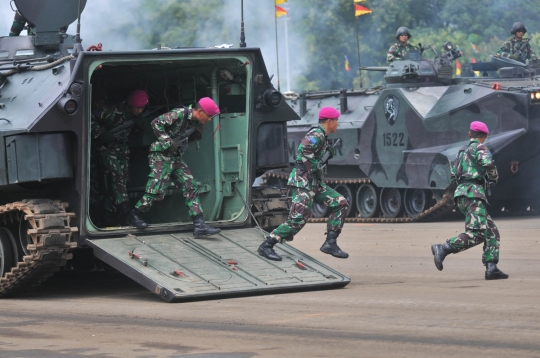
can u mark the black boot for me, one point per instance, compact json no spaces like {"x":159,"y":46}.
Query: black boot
{"x":330,"y":246}
{"x":267,"y":249}
{"x":135,"y":219}
{"x":124,"y":212}
{"x":200,"y":228}
{"x":439,"y":253}
{"x":493,"y":273}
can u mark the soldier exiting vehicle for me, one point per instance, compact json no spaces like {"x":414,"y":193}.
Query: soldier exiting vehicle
{"x":399,"y":50}
{"x":173,"y":130}
{"x":474,"y":172}
{"x":517,"y":48}
{"x":307,"y":187}
{"x":111,"y":134}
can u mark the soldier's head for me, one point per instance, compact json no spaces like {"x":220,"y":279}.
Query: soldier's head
{"x":403,"y":34}
{"x":137,"y":101}
{"x":328,"y":117}
{"x":518,"y":29}
{"x":478,"y":130}
{"x":205,"y":110}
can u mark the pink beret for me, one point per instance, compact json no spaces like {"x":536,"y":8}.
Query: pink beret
{"x":479,"y":127}
{"x":138,"y":98}
{"x":209,"y":106}
{"x":328,"y":113}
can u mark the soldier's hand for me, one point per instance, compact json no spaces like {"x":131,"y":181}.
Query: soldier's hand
{"x":318,"y":174}
{"x":173,"y":149}
{"x":332,"y":152}
{"x":514,"y":57}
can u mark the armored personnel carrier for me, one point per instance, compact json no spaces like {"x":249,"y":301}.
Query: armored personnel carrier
{"x":397,"y":140}
{"x":48,"y":87}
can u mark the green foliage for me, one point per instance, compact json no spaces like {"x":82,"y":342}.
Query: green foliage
{"x":325,"y":31}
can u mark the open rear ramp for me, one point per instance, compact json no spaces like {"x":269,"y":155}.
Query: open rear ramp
{"x":179,"y":267}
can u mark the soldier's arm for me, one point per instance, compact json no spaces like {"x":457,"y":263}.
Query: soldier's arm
{"x":160,"y":124}
{"x":532,"y":55}
{"x":483,"y":156}
{"x":311,"y":142}
{"x":504,"y":51}
{"x":392,"y":55}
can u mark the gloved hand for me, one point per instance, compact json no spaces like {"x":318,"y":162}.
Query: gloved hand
{"x":514,"y":57}
{"x":332,"y":152}
{"x":107,"y":137}
{"x":173,"y":149}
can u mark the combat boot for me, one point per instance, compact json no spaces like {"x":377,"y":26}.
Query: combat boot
{"x":439,"y":252}
{"x":330,"y":246}
{"x":267,"y":249}
{"x":493,"y":273}
{"x":200,"y":228}
{"x":135,"y":219}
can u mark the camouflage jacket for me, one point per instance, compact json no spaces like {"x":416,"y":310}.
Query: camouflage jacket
{"x":398,"y":51}
{"x":107,"y":118}
{"x":512,"y":46}
{"x":469,"y":169}
{"x":169,"y":126}
{"x":310,"y":151}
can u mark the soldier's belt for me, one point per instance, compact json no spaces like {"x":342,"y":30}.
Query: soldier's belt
{"x":471,"y":181}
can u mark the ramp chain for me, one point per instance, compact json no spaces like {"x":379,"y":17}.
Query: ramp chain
{"x":443,"y":206}
{"x":50,"y":237}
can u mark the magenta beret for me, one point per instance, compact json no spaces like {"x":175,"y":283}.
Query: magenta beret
{"x":479,"y":127}
{"x":209,"y":106}
{"x":138,"y":98}
{"x":328,"y":113}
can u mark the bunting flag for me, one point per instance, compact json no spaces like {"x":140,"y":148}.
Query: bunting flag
{"x":475,"y":50}
{"x":476,"y":73}
{"x":458,"y":69}
{"x":281,"y":1}
{"x":280,"y":11}
{"x":347,"y":68}
{"x":361,"y":10}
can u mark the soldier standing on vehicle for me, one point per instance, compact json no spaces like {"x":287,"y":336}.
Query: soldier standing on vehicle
{"x":116,"y":125}
{"x":173,"y":129}
{"x":517,"y":48}
{"x":398,"y":50}
{"x":474,"y":171}
{"x":308,"y":187}
{"x":19,"y":22}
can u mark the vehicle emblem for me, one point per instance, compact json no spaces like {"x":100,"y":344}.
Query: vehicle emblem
{"x":391,"y":109}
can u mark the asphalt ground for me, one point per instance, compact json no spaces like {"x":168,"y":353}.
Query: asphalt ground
{"x":397,"y":305}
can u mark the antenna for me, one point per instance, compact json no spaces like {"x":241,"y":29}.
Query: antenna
{"x":242,"y":35}
{"x":77,"y":48}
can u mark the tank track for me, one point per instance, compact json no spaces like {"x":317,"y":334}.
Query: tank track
{"x":444,"y":206}
{"x":51,"y":236}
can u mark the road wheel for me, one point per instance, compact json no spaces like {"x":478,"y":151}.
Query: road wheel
{"x":391,"y":202}
{"x":367,"y":203}
{"x":414,"y":202}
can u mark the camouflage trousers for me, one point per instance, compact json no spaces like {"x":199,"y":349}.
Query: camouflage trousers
{"x":302,"y":202}
{"x":479,"y":228}
{"x":115,"y":161}
{"x":165,"y":169}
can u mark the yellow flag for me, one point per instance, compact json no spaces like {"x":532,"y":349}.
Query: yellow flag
{"x":284,"y":1}
{"x":354,"y":0}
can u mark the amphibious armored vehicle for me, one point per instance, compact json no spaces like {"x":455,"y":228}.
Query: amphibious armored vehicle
{"x":397,"y":140}
{"x":48,"y":87}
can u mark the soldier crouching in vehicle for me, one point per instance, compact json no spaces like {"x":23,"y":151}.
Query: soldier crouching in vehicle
{"x":399,"y":50}
{"x":517,"y":48}
{"x":173,"y":129}
{"x":307,"y":187}
{"x":117,"y":124}
{"x":475,"y":172}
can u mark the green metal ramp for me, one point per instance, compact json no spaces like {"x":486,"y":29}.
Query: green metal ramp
{"x":180,"y":267}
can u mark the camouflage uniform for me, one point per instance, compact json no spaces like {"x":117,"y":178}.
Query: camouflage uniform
{"x":168,"y":166}
{"x":114,"y":155}
{"x":305,"y":179}
{"x":398,"y":51}
{"x":468,"y":172}
{"x":510,"y":47}
{"x":19,"y":22}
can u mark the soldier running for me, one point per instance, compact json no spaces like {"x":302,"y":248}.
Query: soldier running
{"x":474,"y":172}
{"x":517,"y":48}
{"x":166,"y":162}
{"x":114,"y":151}
{"x":399,"y":50}
{"x":307,"y":187}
